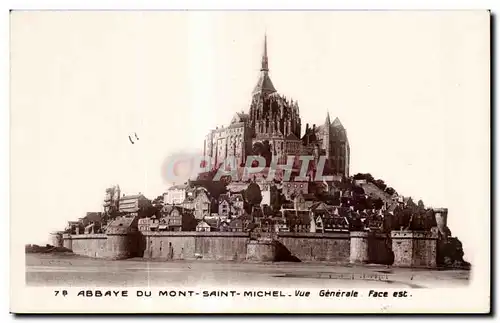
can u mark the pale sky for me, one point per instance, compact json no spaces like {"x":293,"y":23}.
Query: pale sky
{"x":411,"y":88}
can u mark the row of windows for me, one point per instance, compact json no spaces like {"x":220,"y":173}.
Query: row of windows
{"x":235,"y":130}
{"x":295,"y":185}
{"x":224,"y":132}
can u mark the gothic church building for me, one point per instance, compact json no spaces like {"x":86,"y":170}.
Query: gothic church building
{"x":274,"y":121}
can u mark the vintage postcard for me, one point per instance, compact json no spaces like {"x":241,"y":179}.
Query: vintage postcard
{"x":250,"y":161}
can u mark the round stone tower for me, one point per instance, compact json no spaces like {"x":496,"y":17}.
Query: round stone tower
{"x":359,"y":247}
{"x":67,"y":241}
{"x":56,"y":239}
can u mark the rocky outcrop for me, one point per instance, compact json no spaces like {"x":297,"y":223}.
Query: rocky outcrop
{"x":33,"y":248}
{"x":450,"y":254}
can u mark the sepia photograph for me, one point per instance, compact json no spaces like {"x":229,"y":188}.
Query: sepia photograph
{"x":250,"y":161}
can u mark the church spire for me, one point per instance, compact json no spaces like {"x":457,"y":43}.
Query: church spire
{"x":327,"y":121}
{"x":264,"y":84}
{"x":265,"y":62}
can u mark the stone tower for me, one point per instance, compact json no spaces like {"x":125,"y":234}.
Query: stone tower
{"x":340,"y":147}
{"x":273,"y":117}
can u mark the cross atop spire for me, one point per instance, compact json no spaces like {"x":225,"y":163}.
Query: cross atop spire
{"x":265,"y":62}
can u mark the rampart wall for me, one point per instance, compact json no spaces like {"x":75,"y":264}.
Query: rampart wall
{"x":90,"y":245}
{"x":401,"y":248}
{"x":196,"y":245}
{"x":116,"y":246}
{"x":334,"y":247}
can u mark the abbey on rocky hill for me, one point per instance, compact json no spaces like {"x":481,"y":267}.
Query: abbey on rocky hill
{"x":274,"y":122}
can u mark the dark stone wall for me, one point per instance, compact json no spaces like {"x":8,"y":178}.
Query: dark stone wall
{"x":169,"y":247}
{"x":424,"y":253}
{"x":67,"y":241}
{"x":414,"y":248}
{"x":404,"y":249}
{"x":90,"y":245}
{"x":261,"y":251}
{"x":334,"y":247}
{"x":196,"y":245}
{"x":102,"y":245}
{"x":380,"y":249}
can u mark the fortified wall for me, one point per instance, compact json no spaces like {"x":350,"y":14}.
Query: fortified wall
{"x":170,"y":245}
{"x":102,"y":245}
{"x":400,"y":248}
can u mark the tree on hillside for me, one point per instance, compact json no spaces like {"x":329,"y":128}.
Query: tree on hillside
{"x":253,"y":195}
{"x":358,"y":190}
{"x":158,"y":201}
{"x":277,"y":198}
{"x":390,"y":191}
{"x":156,"y":206}
{"x":368,"y":177}
{"x":380,"y":184}
{"x":358,"y":176}
{"x":378,"y":203}
{"x":263,"y":149}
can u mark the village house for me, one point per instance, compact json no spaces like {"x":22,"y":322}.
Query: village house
{"x":202,"y":205}
{"x":298,"y":220}
{"x":133,"y":205}
{"x":237,"y":205}
{"x":239,"y":224}
{"x":224,"y":205}
{"x":224,"y":226}
{"x":92,"y":222}
{"x":236,"y":225}
{"x":172,"y":218}
{"x":374,"y":220}
{"x":266,"y":225}
{"x":326,"y":222}
{"x":318,"y":224}
{"x":198,"y":200}
{"x":176,"y":194}
{"x":188,"y":202}
{"x":280,"y":225}
{"x":215,"y":216}
{"x":207,"y":225}
{"x":74,"y":227}
{"x":321,"y":208}
{"x":274,"y":224}
{"x":231,"y":205}
{"x":327,"y":218}
{"x":123,"y":225}
{"x":177,"y":218}
{"x":148,"y":224}
{"x":340,"y":223}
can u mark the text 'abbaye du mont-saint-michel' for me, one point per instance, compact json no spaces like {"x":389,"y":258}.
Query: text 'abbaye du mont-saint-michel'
{"x":329,"y":293}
